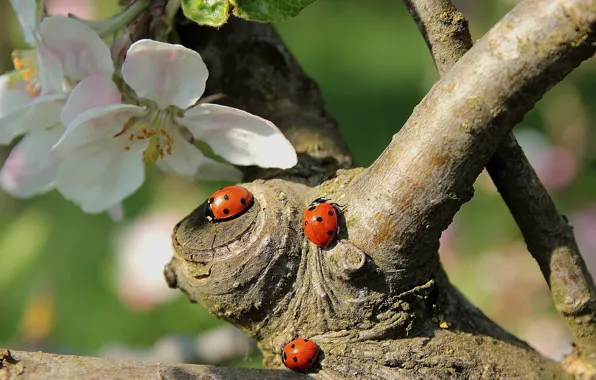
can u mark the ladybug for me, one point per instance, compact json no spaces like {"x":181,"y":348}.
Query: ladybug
{"x":228,"y":202}
{"x":320,"y":222}
{"x":300,"y":354}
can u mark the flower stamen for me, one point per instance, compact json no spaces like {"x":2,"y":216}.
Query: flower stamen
{"x":152,"y":127}
{"x":25,"y":64}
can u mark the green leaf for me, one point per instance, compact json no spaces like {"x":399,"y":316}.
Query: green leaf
{"x":216,"y":12}
{"x":207,"y":12}
{"x":269,"y":10}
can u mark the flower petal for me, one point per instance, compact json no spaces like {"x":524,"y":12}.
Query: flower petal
{"x":99,"y":175}
{"x":97,"y":90}
{"x":41,"y":113}
{"x":165,"y":73}
{"x":185,"y":157}
{"x":98,"y":123}
{"x":187,"y":160}
{"x":49,"y":74}
{"x":13,"y":94}
{"x":28,"y":13}
{"x":240,"y":137}
{"x":79,"y":48}
{"x":31,"y":168}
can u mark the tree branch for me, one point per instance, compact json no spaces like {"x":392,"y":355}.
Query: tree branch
{"x":381,"y":311}
{"x":377,"y":301}
{"x":551,"y":242}
{"x":445,"y":31}
{"x":545,"y":231}
{"x":39,"y":365}
{"x":428,"y":170}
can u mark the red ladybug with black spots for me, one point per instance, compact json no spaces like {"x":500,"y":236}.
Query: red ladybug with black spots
{"x":320,"y":222}
{"x":300,"y":354}
{"x":228,"y":202}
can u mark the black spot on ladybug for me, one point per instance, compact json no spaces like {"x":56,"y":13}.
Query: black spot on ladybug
{"x":306,"y":223}
{"x":319,"y":219}
{"x":306,"y":340}
{"x":211,"y":200}
{"x":329,"y":232}
{"x":330,"y":213}
{"x":295,"y":359}
{"x":309,"y":360}
{"x":312,"y":208}
{"x":226,"y":197}
{"x":226,"y":211}
{"x":243,"y":201}
{"x":292,"y":346}
{"x":285,"y":357}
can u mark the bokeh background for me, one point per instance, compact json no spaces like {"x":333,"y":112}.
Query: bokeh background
{"x":83,"y":284}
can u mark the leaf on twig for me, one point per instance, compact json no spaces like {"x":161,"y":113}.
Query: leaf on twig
{"x":216,"y":12}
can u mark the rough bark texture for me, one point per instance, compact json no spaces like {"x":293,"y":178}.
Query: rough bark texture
{"x":445,"y":31}
{"x":377,"y":300}
{"x":22,"y":365}
{"x":548,"y":235}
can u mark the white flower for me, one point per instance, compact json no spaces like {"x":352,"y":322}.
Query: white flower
{"x":109,"y":143}
{"x":31,"y":97}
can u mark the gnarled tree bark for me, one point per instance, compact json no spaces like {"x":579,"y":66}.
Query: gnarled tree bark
{"x":41,"y":366}
{"x":377,"y":301}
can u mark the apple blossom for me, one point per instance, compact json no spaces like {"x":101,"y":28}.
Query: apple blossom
{"x":108,"y":143}
{"x":31,"y":97}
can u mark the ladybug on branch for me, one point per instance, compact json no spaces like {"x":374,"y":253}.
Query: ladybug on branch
{"x":320,"y":222}
{"x":300,"y":354}
{"x":227,"y":203}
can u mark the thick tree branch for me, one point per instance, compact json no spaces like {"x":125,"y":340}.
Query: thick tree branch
{"x":428,"y":170}
{"x":369,"y":316}
{"x":377,"y":301}
{"x":446,"y":33}
{"x":20,"y":365}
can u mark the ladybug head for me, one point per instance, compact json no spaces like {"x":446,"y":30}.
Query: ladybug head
{"x":317,"y":201}
{"x":208,"y":212}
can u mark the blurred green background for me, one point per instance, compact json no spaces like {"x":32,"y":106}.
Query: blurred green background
{"x":77,"y":283}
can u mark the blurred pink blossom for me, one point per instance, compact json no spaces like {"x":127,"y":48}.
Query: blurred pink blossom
{"x":448,"y":248}
{"x":81,"y":8}
{"x":584,"y":223}
{"x":142,"y":250}
{"x":556,"y":166}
